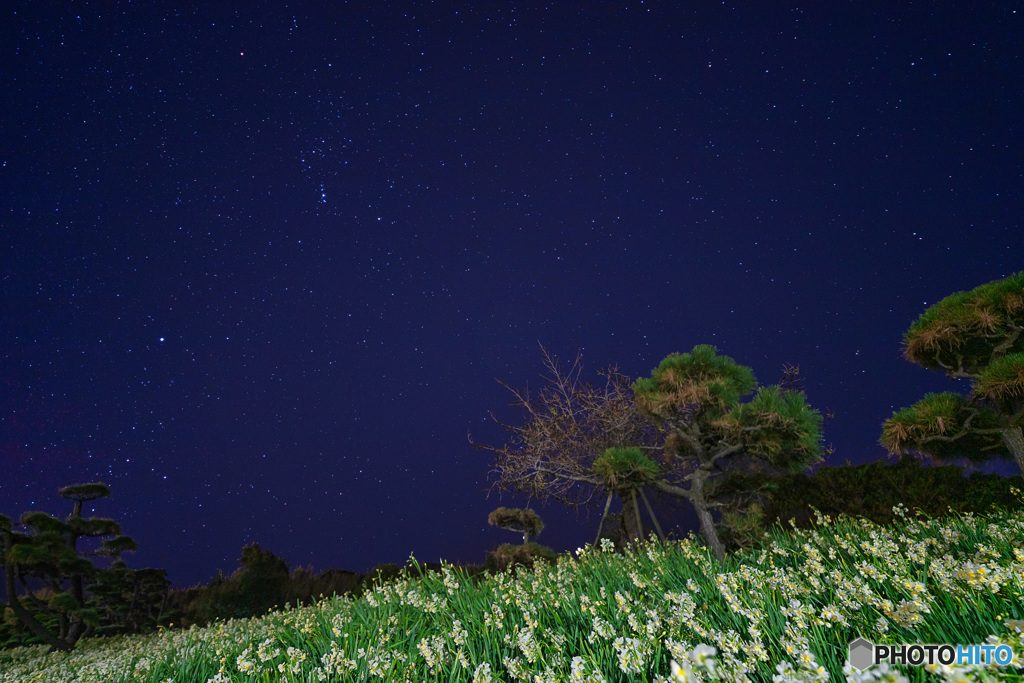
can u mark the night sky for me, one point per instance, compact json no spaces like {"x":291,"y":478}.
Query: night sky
{"x":262,"y":263}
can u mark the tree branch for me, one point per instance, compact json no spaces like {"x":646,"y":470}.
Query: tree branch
{"x":1000,"y":349}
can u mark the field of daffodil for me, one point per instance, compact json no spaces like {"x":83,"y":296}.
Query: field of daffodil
{"x":663,"y":612}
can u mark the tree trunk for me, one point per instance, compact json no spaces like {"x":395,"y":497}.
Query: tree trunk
{"x":650,"y":510}
{"x":630,"y":523}
{"x":1014,"y":440}
{"x":76,"y":628}
{"x":695,"y":494}
{"x":707,"y":524}
{"x":639,"y":522}
{"x":25,"y":617}
{"x":604,"y":516}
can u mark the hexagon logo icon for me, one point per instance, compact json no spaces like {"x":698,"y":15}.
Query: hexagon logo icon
{"x":861,"y":654}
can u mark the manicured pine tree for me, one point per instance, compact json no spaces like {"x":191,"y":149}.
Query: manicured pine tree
{"x":976,"y":336}
{"x":49,"y":551}
{"x":624,"y":472}
{"x":699,"y":398}
{"x":527,"y":522}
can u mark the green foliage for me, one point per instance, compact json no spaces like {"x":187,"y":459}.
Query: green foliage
{"x":712,"y":433}
{"x":257,"y":586}
{"x":43,"y":523}
{"x":38,"y":555}
{"x":305,"y":586}
{"x":945,"y":415}
{"x":381,"y":574}
{"x":967,"y":330}
{"x":744,"y":528}
{"x":1003,"y":380}
{"x":56,"y":605}
{"x":622,"y":468}
{"x":129,"y":601}
{"x":705,"y":389}
{"x":781,"y":427}
{"x":700,"y":377}
{"x":63,"y":602}
{"x":626,"y":616}
{"x":84,"y":492}
{"x":260,"y":578}
{"x":94,"y":527}
{"x":979,"y":336}
{"x":117,"y":545}
{"x":260,"y":585}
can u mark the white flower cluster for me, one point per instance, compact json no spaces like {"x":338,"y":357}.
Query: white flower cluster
{"x":516,"y":669}
{"x":601,"y":630}
{"x":583,"y":673}
{"x":450,"y":582}
{"x":882,"y":673}
{"x":335,"y":664}
{"x":495,"y":617}
{"x":528,"y":644}
{"x":459,"y":634}
{"x":482,"y":673}
{"x":807,"y":670}
{"x":698,"y":664}
{"x":632,"y":654}
{"x":381,"y":658}
{"x":433,"y":651}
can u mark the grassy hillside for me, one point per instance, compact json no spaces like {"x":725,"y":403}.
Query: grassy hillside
{"x":785,"y":610}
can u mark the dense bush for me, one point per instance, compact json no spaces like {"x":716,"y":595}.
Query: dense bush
{"x":871,"y":491}
{"x":261,"y":583}
{"x":507,"y":556}
{"x":382,"y":573}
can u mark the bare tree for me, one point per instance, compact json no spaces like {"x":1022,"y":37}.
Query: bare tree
{"x":568,"y":426}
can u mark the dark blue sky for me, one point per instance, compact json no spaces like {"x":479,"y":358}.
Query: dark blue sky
{"x":262,"y":263}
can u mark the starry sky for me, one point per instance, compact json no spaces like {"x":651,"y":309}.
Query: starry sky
{"x":262,"y":263}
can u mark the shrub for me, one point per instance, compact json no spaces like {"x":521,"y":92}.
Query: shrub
{"x":870,"y":491}
{"x":507,"y":556}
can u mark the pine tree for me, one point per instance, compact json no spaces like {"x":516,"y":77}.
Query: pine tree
{"x":977,"y":336}
{"x":712,"y":431}
{"x":48,"y":550}
{"x":527,"y":522}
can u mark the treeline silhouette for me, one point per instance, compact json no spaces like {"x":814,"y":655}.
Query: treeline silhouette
{"x":264,"y":582}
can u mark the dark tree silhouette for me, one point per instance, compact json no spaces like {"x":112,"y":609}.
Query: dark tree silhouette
{"x":48,"y":550}
{"x":526,"y":522}
{"x":977,"y":336}
{"x":129,"y":600}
